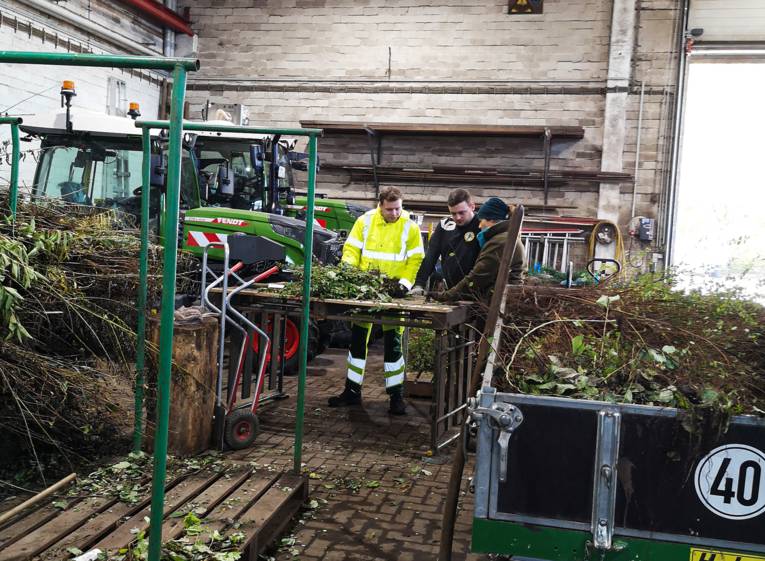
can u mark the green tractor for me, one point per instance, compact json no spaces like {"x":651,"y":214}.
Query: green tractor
{"x":94,"y":159}
{"x":240,"y":184}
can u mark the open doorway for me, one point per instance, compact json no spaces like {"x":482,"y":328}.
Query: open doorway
{"x":719,"y":241}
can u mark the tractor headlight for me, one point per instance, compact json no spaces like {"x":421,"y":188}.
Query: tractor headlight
{"x":294,"y":232}
{"x":355,"y":210}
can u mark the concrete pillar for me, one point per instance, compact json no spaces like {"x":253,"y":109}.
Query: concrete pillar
{"x":615,"y":125}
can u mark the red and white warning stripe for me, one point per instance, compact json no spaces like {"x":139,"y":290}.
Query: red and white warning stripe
{"x":203,"y":239}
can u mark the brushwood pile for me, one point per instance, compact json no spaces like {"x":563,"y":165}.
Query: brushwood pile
{"x":68,"y":291}
{"x":641,"y":341}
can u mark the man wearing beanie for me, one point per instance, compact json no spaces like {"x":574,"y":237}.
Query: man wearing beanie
{"x":479,"y":283}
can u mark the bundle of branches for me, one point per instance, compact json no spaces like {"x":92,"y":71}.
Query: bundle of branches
{"x":52,"y":411}
{"x":343,"y":282}
{"x":642,"y":342}
{"x":68,"y":288}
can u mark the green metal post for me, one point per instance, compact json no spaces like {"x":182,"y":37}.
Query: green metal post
{"x":13,"y":190}
{"x":167,"y":312}
{"x":308,"y":250}
{"x":143,"y":273}
{"x":114,"y":61}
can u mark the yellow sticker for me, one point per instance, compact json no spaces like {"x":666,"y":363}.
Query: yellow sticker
{"x":712,"y":555}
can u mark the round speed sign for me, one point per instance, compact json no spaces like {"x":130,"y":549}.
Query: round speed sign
{"x":730,"y":481}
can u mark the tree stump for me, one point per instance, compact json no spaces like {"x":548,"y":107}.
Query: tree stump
{"x":192,"y":385}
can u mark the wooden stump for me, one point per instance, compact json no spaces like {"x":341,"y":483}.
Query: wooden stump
{"x":192,"y":386}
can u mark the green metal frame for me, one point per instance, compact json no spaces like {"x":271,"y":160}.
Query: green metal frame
{"x":540,"y":542}
{"x":143,"y":273}
{"x":13,"y":190}
{"x":178,"y":67}
{"x":171,"y":226}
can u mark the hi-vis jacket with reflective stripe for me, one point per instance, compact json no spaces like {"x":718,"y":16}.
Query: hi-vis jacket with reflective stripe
{"x":394,"y":249}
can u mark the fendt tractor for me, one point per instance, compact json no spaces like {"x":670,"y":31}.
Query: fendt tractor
{"x":229,"y":185}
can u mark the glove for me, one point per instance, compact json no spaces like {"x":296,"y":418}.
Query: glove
{"x":417,"y":291}
{"x":400,"y":291}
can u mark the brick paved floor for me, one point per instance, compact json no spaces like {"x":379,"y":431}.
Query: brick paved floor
{"x":379,"y":495}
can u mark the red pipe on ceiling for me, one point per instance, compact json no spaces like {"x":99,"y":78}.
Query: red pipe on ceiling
{"x":159,"y":13}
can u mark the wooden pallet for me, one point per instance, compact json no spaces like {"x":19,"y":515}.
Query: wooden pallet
{"x":258,"y":504}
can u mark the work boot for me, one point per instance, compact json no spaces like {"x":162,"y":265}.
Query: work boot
{"x":397,"y":403}
{"x":351,"y":395}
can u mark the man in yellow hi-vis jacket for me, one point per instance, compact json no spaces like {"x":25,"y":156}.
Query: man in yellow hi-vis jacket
{"x":386,"y":240}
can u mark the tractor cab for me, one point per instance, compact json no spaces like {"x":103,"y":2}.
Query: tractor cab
{"x":94,"y":159}
{"x":237,"y":171}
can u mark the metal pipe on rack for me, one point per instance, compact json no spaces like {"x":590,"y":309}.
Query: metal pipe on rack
{"x":168,"y":47}
{"x":637,"y":148}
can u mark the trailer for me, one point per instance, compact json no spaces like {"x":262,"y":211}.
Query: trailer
{"x":565,"y":479}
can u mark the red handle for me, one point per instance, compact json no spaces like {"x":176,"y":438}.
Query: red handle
{"x":267,"y":273}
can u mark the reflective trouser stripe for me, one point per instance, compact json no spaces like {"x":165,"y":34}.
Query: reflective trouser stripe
{"x":394,"y":361}
{"x":394,"y":380}
{"x":356,"y":369}
{"x":394,"y":373}
{"x":355,"y":377}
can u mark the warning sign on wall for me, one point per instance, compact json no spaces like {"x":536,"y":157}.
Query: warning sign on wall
{"x":525,"y":7}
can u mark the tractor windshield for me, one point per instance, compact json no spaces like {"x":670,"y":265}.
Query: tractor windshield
{"x":227,"y":174}
{"x":235,"y":172}
{"x":92,"y":173}
{"x":100,"y":172}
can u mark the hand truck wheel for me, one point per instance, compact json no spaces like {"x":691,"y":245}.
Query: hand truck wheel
{"x":241,"y":429}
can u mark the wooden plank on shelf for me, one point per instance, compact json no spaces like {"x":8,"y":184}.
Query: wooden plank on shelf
{"x":66,"y":522}
{"x":271,"y":514}
{"x":174,"y":499}
{"x":204,"y":504}
{"x":444,"y":129}
{"x":260,"y":504}
{"x":237,"y":503}
{"x":28,"y":523}
{"x":97,"y":526}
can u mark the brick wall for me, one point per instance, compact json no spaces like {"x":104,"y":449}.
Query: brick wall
{"x":450,"y":62}
{"x":30,"y":89}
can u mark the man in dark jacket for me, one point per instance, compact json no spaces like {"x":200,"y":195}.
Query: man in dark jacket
{"x":479,"y":283}
{"x":454,"y":241}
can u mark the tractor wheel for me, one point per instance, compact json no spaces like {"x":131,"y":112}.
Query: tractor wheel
{"x":292,"y":344}
{"x":315,"y":347}
{"x":292,"y":347}
{"x":241,"y":429}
